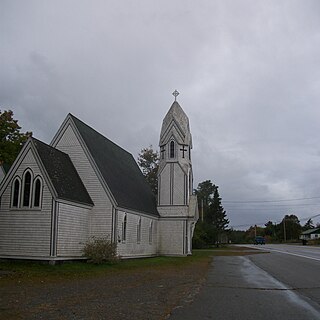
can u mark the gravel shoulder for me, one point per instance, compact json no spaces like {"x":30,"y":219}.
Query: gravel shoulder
{"x":148,"y":293}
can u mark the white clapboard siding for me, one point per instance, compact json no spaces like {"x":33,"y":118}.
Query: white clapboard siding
{"x":131,"y":247}
{"x":164,"y":186}
{"x":179,"y":185}
{"x":25,"y":232}
{"x":172,"y":237}
{"x":101,"y":213}
{"x":73,"y":230}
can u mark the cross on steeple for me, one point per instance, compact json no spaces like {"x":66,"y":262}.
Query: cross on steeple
{"x":183,"y":150}
{"x":175,"y":93}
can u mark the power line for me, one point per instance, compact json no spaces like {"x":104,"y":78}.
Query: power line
{"x":263,"y":201}
{"x":274,"y":206}
{"x":276,"y":222}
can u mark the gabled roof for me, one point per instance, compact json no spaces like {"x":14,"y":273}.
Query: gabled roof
{"x":62,"y":173}
{"x":119,"y":171}
{"x":311,"y":231}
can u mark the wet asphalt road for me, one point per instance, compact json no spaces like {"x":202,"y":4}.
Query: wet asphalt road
{"x":283,"y":284}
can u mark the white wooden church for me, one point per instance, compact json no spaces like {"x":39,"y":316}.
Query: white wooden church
{"x":55,"y":197}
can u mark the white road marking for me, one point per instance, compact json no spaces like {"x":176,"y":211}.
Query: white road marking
{"x":289,"y":253}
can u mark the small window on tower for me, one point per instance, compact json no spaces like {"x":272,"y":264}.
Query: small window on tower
{"x":172,"y":149}
{"x":162,"y":150}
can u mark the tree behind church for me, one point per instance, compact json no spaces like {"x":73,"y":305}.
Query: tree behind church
{"x":213,"y":221}
{"x":11,"y":139}
{"x":148,"y":161}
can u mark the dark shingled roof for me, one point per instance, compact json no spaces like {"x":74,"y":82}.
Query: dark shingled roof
{"x":62,"y":173}
{"x":119,"y":170}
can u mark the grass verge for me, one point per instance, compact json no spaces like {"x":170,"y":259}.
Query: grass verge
{"x":33,"y":271}
{"x":28,"y":270}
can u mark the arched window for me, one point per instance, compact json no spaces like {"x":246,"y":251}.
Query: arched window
{"x":37,"y":193}
{"x":124,"y":228}
{"x":16,"y":193}
{"x":139,"y":231}
{"x":26,"y":189}
{"x":162,"y":151}
{"x":150,"y":232}
{"x":172,"y":149}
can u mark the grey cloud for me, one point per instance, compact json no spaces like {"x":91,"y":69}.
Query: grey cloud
{"x":248,"y":73}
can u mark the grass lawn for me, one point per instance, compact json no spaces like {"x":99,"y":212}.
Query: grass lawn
{"x":29,"y":270}
{"x":34,"y":271}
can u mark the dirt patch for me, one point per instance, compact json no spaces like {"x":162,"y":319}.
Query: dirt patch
{"x":143,"y":293}
{"x":139,"y":294}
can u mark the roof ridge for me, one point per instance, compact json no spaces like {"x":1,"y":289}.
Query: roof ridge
{"x":97,"y":132}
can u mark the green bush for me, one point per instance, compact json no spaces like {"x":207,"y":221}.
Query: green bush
{"x":100,"y":250}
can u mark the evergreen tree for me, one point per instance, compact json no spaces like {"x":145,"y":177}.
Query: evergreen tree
{"x":204,"y":193}
{"x":217,"y":217}
{"x":148,"y":161}
{"x":215,"y":222}
{"x":11,"y":139}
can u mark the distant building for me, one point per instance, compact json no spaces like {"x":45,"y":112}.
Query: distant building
{"x":311,"y":234}
{"x":55,"y":197}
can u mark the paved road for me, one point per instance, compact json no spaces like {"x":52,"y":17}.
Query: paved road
{"x":309,"y":252}
{"x":283,"y":284}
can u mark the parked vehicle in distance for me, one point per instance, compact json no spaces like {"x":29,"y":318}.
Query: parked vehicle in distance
{"x":259,"y":240}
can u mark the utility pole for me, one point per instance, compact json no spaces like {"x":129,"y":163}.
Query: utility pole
{"x":284,"y":230}
{"x":202,"y":210}
{"x":255,"y":230}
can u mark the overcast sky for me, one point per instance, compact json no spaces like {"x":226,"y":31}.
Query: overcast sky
{"x":248,"y":73}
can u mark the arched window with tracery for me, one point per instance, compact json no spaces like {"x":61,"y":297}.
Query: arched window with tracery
{"x":37,"y":193}
{"x":27,"y":178}
{"x":172,"y":147}
{"x":16,"y":189}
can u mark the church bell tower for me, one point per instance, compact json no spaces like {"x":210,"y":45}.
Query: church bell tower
{"x":175,"y":179}
{"x":177,"y":205}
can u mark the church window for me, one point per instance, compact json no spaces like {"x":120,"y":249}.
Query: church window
{"x":139,"y":231}
{"x":37,"y":193}
{"x":172,"y":149}
{"x":16,"y":193}
{"x":150,"y":232}
{"x":26,"y":189}
{"x":124,"y":228}
{"x":162,"y":151}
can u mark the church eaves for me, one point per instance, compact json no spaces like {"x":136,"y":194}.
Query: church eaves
{"x":119,"y":171}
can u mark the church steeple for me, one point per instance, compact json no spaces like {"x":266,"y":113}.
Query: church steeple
{"x":177,"y":205}
{"x":175,"y":170}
